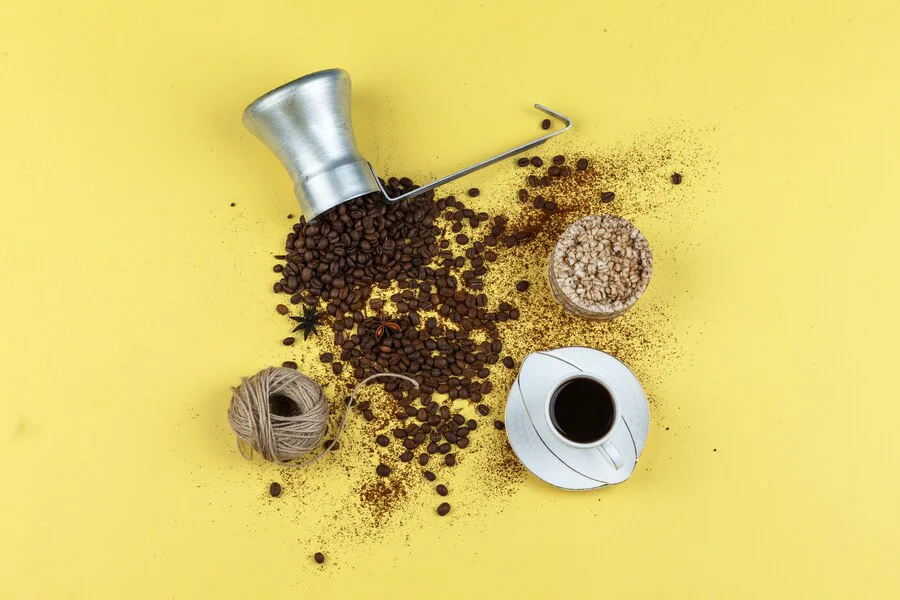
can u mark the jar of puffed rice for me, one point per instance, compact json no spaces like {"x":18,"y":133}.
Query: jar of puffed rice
{"x":600,"y":267}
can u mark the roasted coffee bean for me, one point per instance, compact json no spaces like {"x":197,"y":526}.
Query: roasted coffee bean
{"x":319,"y":557}
{"x":326,"y":357}
{"x":275,"y":489}
{"x":550,"y":206}
{"x":443,"y":509}
{"x":545,"y":124}
{"x":382,"y":470}
{"x":432,"y":448}
{"x":459,"y":419}
{"x":423,"y":459}
{"x":429,"y":475}
{"x":499,"y":425}
{"x":406,"y":456}
{"x":559,"y":159}
{"x":472,"y":424}
{"x":419,"y":438}
{"x":289,"y":364}
{"x":582,"y":164}
{"x":422,"y":415}
{"x":399,"y":433}
{"x":676,"y":178}
{"x":473,"y":192}
{"x":538,"y":202}
{"x":450,"y":437}
{"x":607,"y":196}
{"x":545,"y":181}
{"x":282,"y":309}
{"x":382,"y":440}
{"x":444,"y":448}
{"x":367,"y":415}
{"x":482,"y":409}
{"x":332,"y":445}
{"x":508,"y":362}
{"x":553,"y":171}
{"x":450,"y":460}
{"x":462,"y":239}
{"x":523,"y":196}
{"x":462,"y":443}
{"x":523,"y":285}
{"x":533,"y":181}
{"x":522,"y":162}
{"x":441,"y":489}
{"x":536,"y":161}
{"x":409,"y":443}
{"x":288,"y":341}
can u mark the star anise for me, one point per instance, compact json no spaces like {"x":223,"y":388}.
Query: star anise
{"x":307,"y":322}
{"x":385,"y":325}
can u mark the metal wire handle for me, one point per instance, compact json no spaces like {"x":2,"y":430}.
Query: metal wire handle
{"x":471,"y":169}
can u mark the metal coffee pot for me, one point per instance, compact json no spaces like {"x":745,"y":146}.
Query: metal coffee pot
{"x":306,"y":123}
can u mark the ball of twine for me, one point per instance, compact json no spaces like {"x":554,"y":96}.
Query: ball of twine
{"x":283,"y":414}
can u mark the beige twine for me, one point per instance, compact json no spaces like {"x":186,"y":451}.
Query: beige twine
{"x":280,"y":438}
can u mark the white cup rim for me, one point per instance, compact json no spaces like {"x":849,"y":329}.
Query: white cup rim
{"x":559,"y":383}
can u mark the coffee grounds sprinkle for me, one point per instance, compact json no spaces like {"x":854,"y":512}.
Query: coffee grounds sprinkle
{"x":643,"y":338}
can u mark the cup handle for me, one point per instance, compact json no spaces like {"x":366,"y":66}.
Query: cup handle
{"x":611,"y":454}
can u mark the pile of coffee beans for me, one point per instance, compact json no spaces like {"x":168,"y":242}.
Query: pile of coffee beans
{"x":402,"y":290}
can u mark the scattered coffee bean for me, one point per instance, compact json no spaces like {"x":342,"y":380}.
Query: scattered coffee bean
{"x":523,"y":286}
{"x":482,"y":409}
{"x":429,"y":475}
{"x":441,"y":489}
{"x":289,"y":364}
{"x":326,"y":357}
{"x":545,"y":124}
{"x":473,"y":192}
{"x":337,"y":368}
{"x":288,"y":341}
{"x":382,"y":440}
{"x":383,"y":470}
{"x":607,"y":197}
{"x":499,"y":425}
{"x":275,"y":489}
{"x":522,"y":162}
{"x":550,"y":206}
{"x":406,"y":456}
{"x":523,"y":196}
{"x":319,"y":557}
{"x":538,"y":202}
{"x":536,"y":161}
{"x":282,"y":309}
{"x":471,"y":424}
{"x":450,"y":460}
{"x":508,"y":362}
{"x":332,"y":445}
{"x":582,"y":164}
{"x":443,"y":509}
{"x":423,"y":459}
{"x":559,"y":159}
{"x":676,"y":178}
{"x":553,"y":171}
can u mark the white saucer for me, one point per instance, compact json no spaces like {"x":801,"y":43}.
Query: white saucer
{"x":537,"y":446}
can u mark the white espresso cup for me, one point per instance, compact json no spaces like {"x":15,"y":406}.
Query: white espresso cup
{"x":583,"y":413}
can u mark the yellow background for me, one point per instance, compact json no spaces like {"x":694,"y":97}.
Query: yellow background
{"x":134,"y":296}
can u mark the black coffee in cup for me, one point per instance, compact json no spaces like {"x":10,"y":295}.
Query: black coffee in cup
{"x":582,"y":410}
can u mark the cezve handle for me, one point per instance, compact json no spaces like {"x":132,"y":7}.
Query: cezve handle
{"x":471,"y":169}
